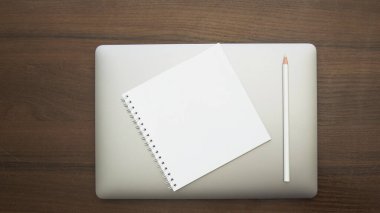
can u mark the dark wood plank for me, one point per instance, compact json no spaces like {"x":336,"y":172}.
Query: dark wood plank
{"x":47,"y":94}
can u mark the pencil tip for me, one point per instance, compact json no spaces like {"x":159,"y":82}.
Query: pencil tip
{"x":285,"y":60}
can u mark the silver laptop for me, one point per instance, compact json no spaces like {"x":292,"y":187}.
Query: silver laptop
{"x":125,"y":168}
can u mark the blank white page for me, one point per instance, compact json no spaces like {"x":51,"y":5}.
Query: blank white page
{"x":196,"y":117}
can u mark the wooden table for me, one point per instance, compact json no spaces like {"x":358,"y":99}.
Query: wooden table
{"x":47,"y":94}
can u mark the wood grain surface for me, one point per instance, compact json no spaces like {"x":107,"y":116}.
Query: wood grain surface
{"x":47,"y":94}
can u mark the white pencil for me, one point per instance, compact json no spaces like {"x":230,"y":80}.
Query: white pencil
{"x":285,"y":96}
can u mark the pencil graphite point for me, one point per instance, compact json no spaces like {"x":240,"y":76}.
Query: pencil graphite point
{"x":285,"y":60}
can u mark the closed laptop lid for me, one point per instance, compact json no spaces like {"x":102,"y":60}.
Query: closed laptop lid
{"x":124,"y":167}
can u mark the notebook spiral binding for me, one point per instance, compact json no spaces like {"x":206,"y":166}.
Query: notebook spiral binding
{"x":146,"y":136}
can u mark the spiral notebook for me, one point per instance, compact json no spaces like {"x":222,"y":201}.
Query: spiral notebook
{"x":195,"y":117}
